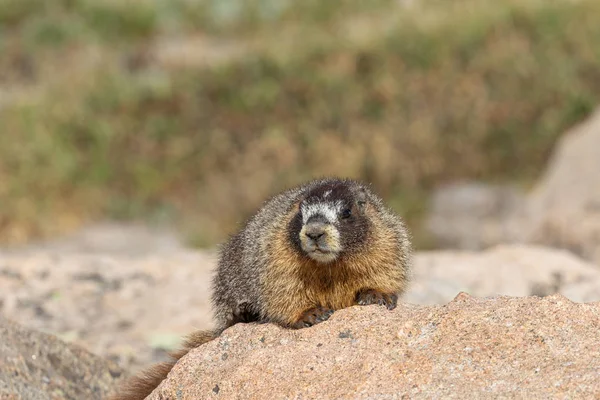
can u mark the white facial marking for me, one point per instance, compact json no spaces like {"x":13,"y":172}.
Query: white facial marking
{"x":327,"y":193}
{"x":329,"y":210}
{"x":322,"y":257}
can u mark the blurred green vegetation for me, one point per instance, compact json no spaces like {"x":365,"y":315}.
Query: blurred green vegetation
{"x":99,"y":120}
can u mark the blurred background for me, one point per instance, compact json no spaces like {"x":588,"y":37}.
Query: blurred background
{"x":135,"y":135}
{"x":190,"y":113}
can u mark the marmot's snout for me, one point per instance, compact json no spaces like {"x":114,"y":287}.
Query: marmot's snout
{"x":320,"y":240}
{"x":315,"y":230}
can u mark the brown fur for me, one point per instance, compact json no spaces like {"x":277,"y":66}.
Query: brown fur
{"x":291,"y":276}
{"x":265,"y":275}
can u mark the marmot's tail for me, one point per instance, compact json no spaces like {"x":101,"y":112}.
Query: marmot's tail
{"x":139,"y":387}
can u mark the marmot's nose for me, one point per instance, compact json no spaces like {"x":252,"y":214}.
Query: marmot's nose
{"x":315,"y":230}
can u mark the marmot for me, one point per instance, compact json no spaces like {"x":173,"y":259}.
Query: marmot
{"x":311,"y":250}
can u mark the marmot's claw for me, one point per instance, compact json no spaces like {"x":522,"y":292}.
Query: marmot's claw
{"x":313,"y":316}
{"x":370,"y":296}
{"x":325,"y":316}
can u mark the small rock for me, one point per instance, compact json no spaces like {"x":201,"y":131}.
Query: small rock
{"x":472,"y":215}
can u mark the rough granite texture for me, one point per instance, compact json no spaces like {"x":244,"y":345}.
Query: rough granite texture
{"x":39,"y":366}
{"x":502,"y":347}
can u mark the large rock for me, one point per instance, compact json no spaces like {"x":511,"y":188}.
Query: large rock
{"x":562,"y":210}
{"x":470,"y":348}
{"x":38,"y":366}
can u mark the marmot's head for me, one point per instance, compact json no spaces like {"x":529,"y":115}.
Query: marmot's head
{"x":331,"y":220}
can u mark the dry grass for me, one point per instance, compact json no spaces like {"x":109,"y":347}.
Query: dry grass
{"x":430,"y":93}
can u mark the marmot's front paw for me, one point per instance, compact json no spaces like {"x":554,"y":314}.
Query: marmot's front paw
{"x":313,"y":316}
{"x":370,"y":296}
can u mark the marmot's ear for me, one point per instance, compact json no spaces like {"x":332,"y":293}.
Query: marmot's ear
{"x":361,"y":198}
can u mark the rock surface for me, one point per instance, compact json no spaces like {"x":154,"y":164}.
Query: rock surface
{"x":470,"y":348}
{"x":38,"y":366}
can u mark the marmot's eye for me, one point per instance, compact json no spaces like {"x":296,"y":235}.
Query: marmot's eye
{"x":346,"y":213}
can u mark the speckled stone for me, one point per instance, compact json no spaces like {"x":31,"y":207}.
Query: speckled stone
{"x":502,"y":347}
{"x":39,"y":366}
